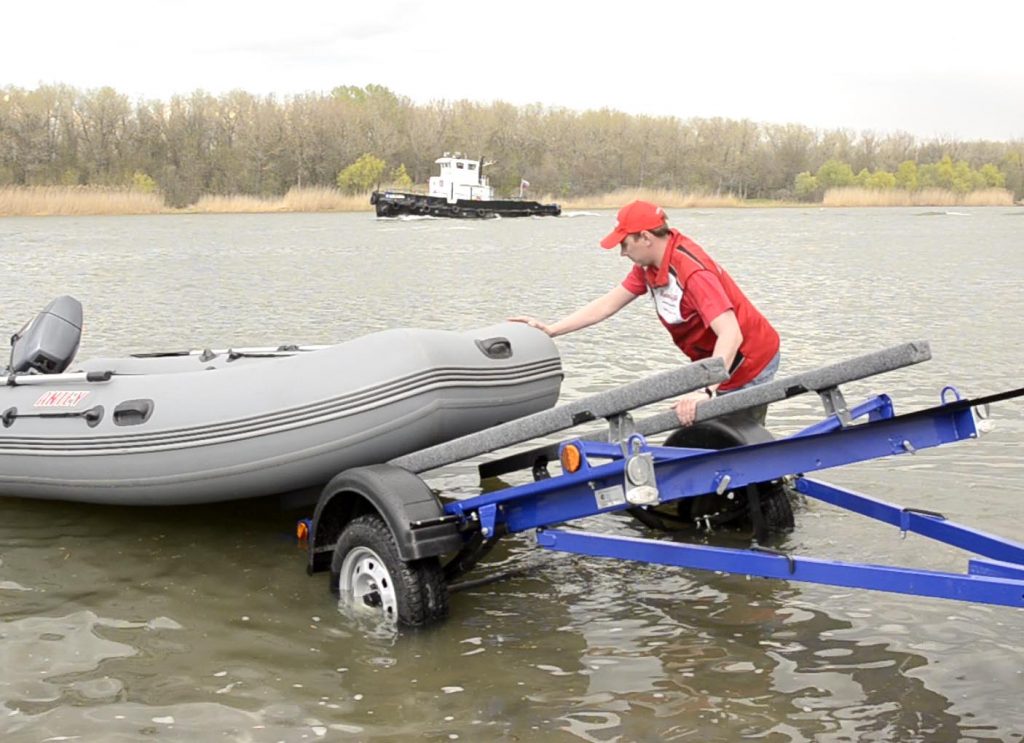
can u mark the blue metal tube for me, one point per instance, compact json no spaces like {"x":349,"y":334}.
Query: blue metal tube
{"x":1001,"y":591}
{"x":937,"y":528}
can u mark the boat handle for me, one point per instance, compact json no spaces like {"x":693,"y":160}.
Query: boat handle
{"x":133,"y":412}
{"x":92,"y":416}
{"x":495,"y":348}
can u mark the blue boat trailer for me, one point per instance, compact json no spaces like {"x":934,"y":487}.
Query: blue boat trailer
{"x":684,"y":473}
{"x":395,"y":565}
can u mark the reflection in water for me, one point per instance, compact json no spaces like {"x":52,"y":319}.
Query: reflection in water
{"x":200,"y":624}
{"x":668,"y":653}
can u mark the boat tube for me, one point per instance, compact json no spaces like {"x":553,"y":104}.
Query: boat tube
{"x":200,"y":427}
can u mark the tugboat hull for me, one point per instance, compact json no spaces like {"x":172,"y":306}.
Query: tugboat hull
{"x":399,"y":203}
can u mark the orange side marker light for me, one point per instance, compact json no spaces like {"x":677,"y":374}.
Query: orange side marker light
{"x":571,"y":458}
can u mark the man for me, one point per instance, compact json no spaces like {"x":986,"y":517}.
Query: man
{"x":696,"y":300}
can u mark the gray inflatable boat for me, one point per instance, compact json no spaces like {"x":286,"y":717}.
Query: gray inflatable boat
{"x":198,"y":427}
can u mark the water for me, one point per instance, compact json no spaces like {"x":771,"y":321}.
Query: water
{"x":200,"y":624}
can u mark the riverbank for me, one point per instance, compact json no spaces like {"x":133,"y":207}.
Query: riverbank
{"x":87,"y":201}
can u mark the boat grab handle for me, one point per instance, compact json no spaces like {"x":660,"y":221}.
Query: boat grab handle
{"x":132,"y":412}
{"x":92,"y":416}
{"x":495,"y":348}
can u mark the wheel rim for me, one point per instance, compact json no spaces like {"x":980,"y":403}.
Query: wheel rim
{"x":367,"y":584}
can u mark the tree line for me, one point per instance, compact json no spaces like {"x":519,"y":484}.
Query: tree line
{"x":958,"y":177}
{"x":239,"y":143}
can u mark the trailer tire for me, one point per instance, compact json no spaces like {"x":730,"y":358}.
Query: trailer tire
{"x":720,"y":433}
{"x":776,"y":507}
{"x":367,"y":570}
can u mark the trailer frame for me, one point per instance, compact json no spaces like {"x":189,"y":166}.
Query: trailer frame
{"x":625,"y":472}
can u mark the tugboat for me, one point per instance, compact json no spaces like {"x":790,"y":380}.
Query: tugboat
{"x":460,"y":191}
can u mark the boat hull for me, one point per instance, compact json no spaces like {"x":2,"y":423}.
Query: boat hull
{"x":157,"y":433}
{"x":399,"y":203}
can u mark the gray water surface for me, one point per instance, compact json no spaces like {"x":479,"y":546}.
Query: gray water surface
{"x":200,"y":624}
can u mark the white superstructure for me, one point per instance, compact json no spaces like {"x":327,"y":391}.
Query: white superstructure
{"x":460,"y":178}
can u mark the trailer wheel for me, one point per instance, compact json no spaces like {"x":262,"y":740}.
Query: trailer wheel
{"x":776,"y":506}
{"x":367,"y":571}
{"x":712,"y":510}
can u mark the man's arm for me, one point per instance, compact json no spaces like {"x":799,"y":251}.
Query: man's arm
{"x":727,"y":342}
{"x":590,"y":314}
{"x":729,"y":338}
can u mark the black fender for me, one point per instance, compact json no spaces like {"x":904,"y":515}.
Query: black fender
{"x":400,"y":498}
{"x":721,"y":433}
{"x":740,"y":429}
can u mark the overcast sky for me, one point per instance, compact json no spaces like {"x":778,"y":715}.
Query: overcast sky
{"x":934,"y":69}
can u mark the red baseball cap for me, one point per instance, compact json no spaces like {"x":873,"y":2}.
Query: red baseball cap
{"x":635,"y":216}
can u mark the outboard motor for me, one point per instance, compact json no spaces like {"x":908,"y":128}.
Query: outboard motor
{"x":48,"y":344}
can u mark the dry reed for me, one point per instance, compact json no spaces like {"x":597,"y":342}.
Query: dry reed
{"x":325,"y":200}
{"x":924,"y":197}
{"x":296,"y":200}
{"x":663,"y":197}
{"x":23,"y":201}
{"x":91,"y":200}
{"x":237,"y":204}
{"x":31,"y":201}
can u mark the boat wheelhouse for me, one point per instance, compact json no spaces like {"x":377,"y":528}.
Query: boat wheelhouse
{"x":460,"y":179}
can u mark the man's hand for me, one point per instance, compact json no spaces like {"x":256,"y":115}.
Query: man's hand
{"x":686,"y":407}
{"x":533,"y":323}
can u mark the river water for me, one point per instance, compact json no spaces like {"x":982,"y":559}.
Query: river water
{"x":200,"y":624}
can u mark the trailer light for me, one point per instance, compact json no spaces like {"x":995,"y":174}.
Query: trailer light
{"x":571,"y":458}
{"x":638,"y":471}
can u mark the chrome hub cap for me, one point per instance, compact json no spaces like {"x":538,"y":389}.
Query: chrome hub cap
{"x":366,"y":583}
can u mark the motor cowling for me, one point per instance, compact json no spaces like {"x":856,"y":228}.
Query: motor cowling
{"x":48,"y":344}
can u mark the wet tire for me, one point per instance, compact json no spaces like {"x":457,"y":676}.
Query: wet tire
{"x":731,"y":509}
{"x":776,"y":507}
{"x":368,"y":572}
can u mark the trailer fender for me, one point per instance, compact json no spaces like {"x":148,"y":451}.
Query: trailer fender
{"x":738,"y":429}
{"x":721,"y":433}
{"x":400,"y":498}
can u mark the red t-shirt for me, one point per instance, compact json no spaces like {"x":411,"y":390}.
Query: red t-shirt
{"x":690,"y":290}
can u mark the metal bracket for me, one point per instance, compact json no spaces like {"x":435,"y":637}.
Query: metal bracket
{"x":905,"y":518}
{"x":488,"y":514}
{"x":835,"y":404}
{"x":790,"y":562}
{"x":620,"y":428}
{"x":540,"y":469}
